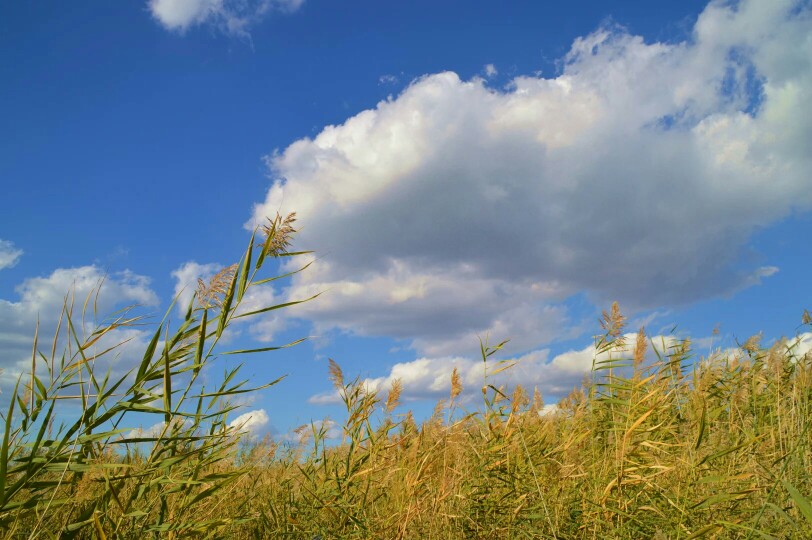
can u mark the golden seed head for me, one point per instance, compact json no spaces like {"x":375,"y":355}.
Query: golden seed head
{"x":538,"y":400}
{"x":336,"y":375}
{"x":438,"y":410}
{"x":456,"y":384}
{"x":519,"y":399}
{"x":613,"y":323}
{"x":278,"y":233}
{"x":753,"y":343}
{"x":640,"y":347}
{"x":211,"y":294}
{"x":394,"y":395}
{"x":806,"y":318}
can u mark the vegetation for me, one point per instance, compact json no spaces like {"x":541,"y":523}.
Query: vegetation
{"x":681,"y":447}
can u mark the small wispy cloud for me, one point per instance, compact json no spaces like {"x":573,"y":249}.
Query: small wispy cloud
{"x":327,"y":428}
{"x":9,"y":255}
{"x":490,"y":71}
{"x":387,"y":79}
{"x":231,"y":16}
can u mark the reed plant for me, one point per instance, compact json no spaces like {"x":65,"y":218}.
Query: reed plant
{"x":671,"y":446}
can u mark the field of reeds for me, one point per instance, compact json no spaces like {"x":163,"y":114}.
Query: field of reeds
{"x":680,"y":447}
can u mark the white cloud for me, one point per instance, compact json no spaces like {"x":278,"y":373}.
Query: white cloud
{"x":232,"y":16}
{"x":387,"y":79}
{"x":9,"y":255}
{"x":490,"y":71}
{"x":41,"y":298}
{"x":430,"y":378}
{"x":252,"y":423}
{"x":639,"y":174}
{"x":800,"y":345}
{"x":156,"y":430}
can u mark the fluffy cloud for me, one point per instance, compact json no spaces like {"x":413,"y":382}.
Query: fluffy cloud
{"x":430,"y":378}
{"x":801,"y":345}
{"x":251,"y":424}
{"x":41,"y":299}
{"x":9,"y":255}
{"x":232,"y":16}
{"x":156,"y":430}
{"x":639,"y":174}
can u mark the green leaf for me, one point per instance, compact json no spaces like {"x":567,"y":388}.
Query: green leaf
{"x":246,"y":265}
{"x":800,"y":500}
{"x":265,"y":349}
{"x":4,"y":447}
{"x":227,"y":301}
{"x":278,"y":306}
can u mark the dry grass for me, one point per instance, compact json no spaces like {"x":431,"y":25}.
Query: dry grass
{"x":683,"y":447}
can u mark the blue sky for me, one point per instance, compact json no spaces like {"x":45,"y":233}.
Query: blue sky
{"x":461,"y":168}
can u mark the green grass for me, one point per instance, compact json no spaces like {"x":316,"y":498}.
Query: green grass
{"x":682,"y":447}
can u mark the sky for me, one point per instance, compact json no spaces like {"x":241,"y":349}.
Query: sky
{"x":461,"y":170}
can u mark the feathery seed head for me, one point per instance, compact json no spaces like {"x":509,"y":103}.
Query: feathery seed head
{"x":456,"y":384}
{"x":613,"y":323}
{"x":753,"y":343}
{"x":336,"y":375}
{"x":538,"y":400}
{"x":394,"y":395}
{"x":211,"y":294}
{"x":640,"y":347}
{"x":278,"y":233}
{"x":519,"y":399}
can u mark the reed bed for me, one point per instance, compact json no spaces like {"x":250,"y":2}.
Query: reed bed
{"x":678,"y":447}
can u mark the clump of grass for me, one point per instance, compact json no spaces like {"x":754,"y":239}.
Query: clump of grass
{"x":90,"y":476}
{"x":679,"y":447}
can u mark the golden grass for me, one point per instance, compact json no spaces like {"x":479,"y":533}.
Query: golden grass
{"x":682,"y":447}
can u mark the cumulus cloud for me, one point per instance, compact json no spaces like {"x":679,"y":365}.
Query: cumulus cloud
{"x":9,"y":255}
{"x":801,"y":345}
{"x":639,"y":174}
{"x":430,"y":378}
{"x":156,"y":430}
{"x":251,"y":424}
{"x":490,"y":71}
{"x":232,"y":16}
{"x":41,"y":299}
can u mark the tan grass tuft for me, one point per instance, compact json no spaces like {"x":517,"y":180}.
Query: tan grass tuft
{"x":393,"y":398}
{"x":613,"y":323}
{"x":211,"y":294}
{"x":519,"y":400}
{"x":336,"y":375}
{"x":640,"y":347}
{"x":753,"y":343}
{"x":278,"y":233}
{"x":456,"y":384}
{"x":538,"y":400}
